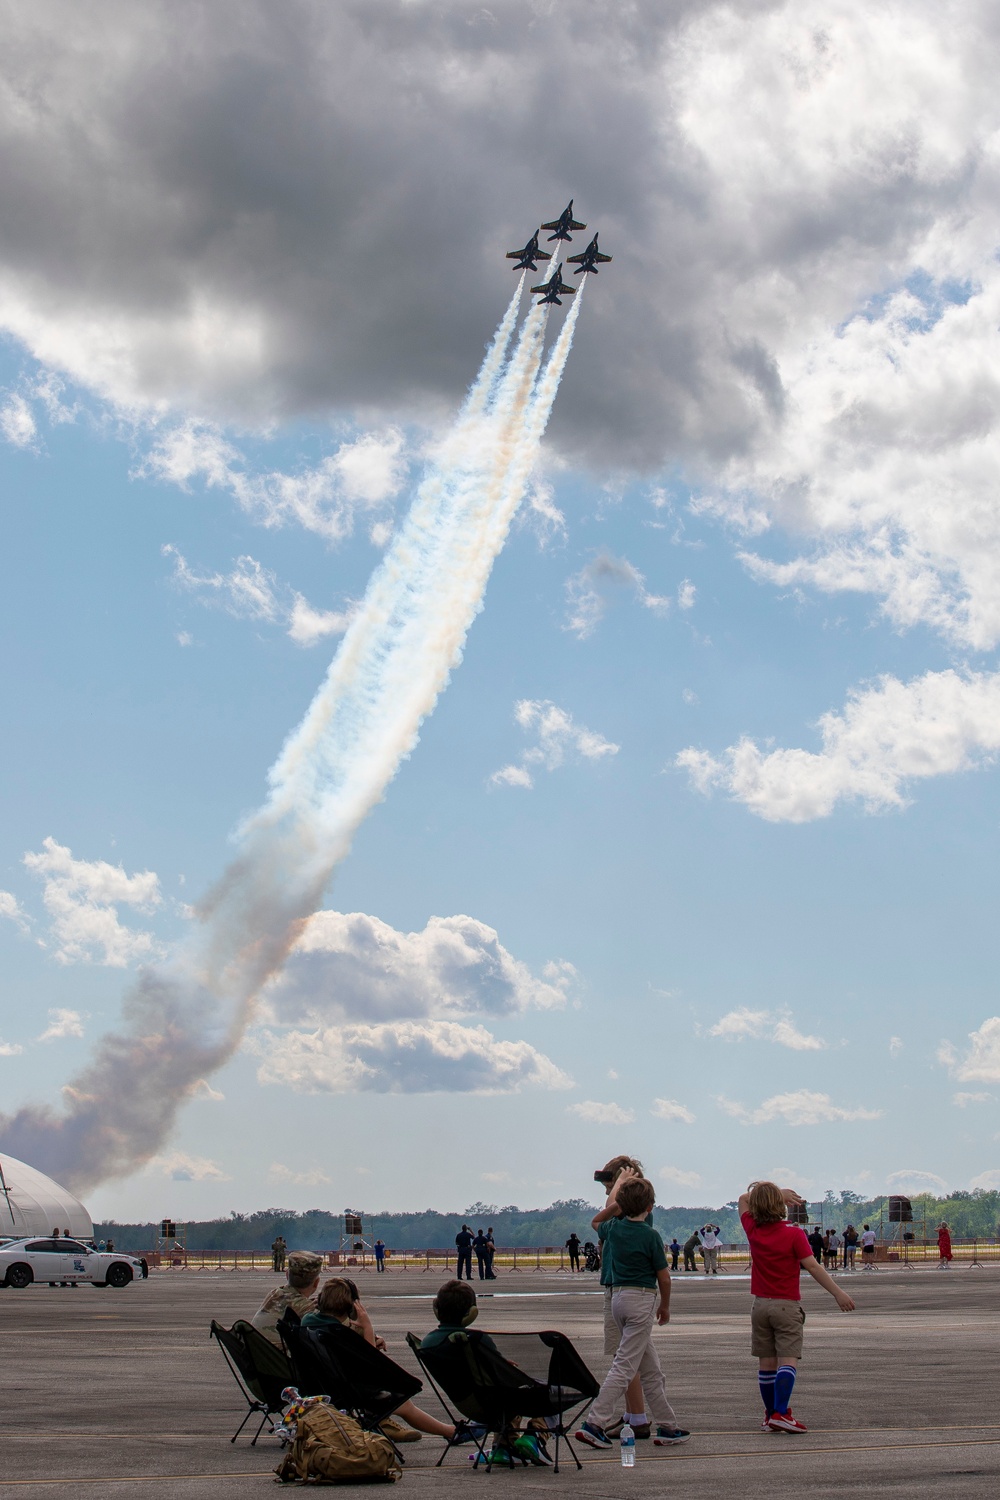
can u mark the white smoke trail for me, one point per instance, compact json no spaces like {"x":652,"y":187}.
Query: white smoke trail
{"x":185,"y":1018}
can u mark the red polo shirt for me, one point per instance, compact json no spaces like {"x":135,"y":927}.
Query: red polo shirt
{"x":777,"y":1250}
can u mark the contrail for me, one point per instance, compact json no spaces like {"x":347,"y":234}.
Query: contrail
{"x":186,"y":1017}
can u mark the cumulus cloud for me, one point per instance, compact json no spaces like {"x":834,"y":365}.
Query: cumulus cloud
{"x":164,"y":258}
{"x":362,"y":475}
{"x":11,"y":908}
{"x":82,"y":899}
{"x":10,"y":1049}
{"x":596,"y":1113}
{"x":403,"y":1057}
{"x":670,"y":1109}
{"x":981,"y":1062}
{"x":558,"y":736}
{"x":360,"y":1006}
{"x":910,"y":1181}
{"x":986,"y":1182}
{"x":62,"y":1023}
{"x":250,"y":591}
{"x":587,"y":592}
{"x":764,"y":1025}
{"x":16,"y":421}
{"x":887,"y":736}
{"x":677,"y":1178}
{"x":963,"y":1099}
{"x":179,"y":1166}
{"x":348,"y":967}
{"x":802,"y":1107}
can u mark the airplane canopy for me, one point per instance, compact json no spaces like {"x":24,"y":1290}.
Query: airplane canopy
{"x":31,"y":1203}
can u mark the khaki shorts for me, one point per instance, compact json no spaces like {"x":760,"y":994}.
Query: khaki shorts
{"x":776,"y":1328}
{"x":612,"y":1333}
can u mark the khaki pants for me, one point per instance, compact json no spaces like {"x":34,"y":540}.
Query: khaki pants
{"x":711,"y":1254}
{"x":633,"y":1309}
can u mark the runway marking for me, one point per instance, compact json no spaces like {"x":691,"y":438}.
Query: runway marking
{"x":140,"y":1478}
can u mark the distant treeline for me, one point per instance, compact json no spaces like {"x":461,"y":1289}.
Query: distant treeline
{"x":970,"y":1215}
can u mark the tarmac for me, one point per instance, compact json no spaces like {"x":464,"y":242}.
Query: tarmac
{"x":123,"y":1394}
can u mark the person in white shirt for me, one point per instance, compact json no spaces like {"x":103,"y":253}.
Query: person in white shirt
{"x":710,"y":1243}
{"x":868,"y":1248}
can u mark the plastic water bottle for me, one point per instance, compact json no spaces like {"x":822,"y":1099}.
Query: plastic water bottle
{"x":628,"y":1447}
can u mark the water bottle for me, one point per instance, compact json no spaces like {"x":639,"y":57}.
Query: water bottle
{"x":628,"y":1447}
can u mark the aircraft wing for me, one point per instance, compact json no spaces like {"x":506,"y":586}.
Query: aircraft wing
{"x":556,"y":224}
{"x":599,"y":256}
{"x":573,"y":224}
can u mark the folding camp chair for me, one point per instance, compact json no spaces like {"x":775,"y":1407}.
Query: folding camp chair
{"x":341,"y":1364}
{"x":523,"y":1375}
{"x":261,"y":1370}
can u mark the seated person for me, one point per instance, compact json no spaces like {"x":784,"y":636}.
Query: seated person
{"x":338,"y":1307}
{"x":302,"y":1283}
{"x":455,"y":1308}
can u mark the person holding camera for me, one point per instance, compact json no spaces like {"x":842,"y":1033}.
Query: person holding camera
{"x":640,"y":1293}
{"x":635,"y":1409}
{"x":710,"y":1243}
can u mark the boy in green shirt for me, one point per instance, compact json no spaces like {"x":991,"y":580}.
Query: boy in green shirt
{"x":640,"y":1285}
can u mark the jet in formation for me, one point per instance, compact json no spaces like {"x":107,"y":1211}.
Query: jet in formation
{"x":527,"y":257}
{"x":588,"y":259}
{"x":565,"y":224}
{"x":554,"y":288}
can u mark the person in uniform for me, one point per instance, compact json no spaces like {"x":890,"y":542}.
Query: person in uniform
{"x":299,"y":1292}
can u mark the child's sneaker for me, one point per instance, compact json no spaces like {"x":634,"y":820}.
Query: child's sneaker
{"x":531,"y":1445}
{"x":469,"y":1432}
{"x":595,"y":1436}
{"x":765,"y":1426}
{"x":666,"y":1437}
{"x":783,"y":1421}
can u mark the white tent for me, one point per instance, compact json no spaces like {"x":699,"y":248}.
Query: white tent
{"x":31,"y":1203}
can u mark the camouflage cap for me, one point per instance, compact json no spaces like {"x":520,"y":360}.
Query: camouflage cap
{"x":303,"y":1266}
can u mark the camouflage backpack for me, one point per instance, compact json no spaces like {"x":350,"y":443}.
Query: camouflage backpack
{"x":333,"y":1449}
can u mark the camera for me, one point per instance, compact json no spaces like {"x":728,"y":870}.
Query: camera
{"x":607,"y":1178}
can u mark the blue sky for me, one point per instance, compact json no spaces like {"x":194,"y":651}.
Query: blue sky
{"x":775,"y":501}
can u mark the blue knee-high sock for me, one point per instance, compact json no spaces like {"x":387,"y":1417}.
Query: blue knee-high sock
{"x":784,"y":1382}
{"x":765,"y":1379}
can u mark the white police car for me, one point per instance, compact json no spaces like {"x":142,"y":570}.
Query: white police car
{"x":62,"y":1261}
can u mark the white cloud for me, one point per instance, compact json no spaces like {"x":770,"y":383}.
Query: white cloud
{"x":62,"y":1023}
{"x":911,"y":1181}
{"x":596,"y":1113}
{"x":686,"y":594}
{"x":963,"y":1100}
{"x":308,"y":1177}
{"x":540,"y":513}
{"x":11,"y":908}
{"x":764,"y":1025}
{"x":670,"y":1109}
{"x":886,"y":736}
{"x":10,"y":1049}
{"x":558,"y":736}
{"x":895,"y":1046}
{"x":82,"y":899}
{"x":16,"y":421}
{"x":179,"y":1166}
{"x":802,"y":1107}
{"x":362,"y":475}
{"x":587,"y":592}
{"x":981,"y":1063}
{"x":986,"y":1182}
{"x":403,"y":1057}
{"x":888,"y":457}
{"x":678,"y":1178}
{"x":250,"y":591}
{"x":351,"y":966}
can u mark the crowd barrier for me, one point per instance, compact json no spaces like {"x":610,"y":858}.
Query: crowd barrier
{"x":972,"y":1252}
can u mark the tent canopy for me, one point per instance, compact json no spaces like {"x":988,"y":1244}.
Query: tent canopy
{"x":31,"y":1203}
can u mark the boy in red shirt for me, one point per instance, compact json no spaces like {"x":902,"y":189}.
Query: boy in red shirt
{"x":778,"y":1251}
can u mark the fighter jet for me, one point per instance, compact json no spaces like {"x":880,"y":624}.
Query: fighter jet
{"x":588,"y":259}
{"x":564,"y":224}
{"x":554,"y":288}
{"x":526,"y":258}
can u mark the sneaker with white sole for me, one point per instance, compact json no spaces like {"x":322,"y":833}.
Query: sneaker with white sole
{"x":783,"y":1421}
{"x":595,"y":1436}
{"x":666,"y":1437}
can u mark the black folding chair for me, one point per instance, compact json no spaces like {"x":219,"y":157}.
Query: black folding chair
{"x":261,"y":1370}
{"x":524,"y":1375}
{"x":341,"y":1364}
